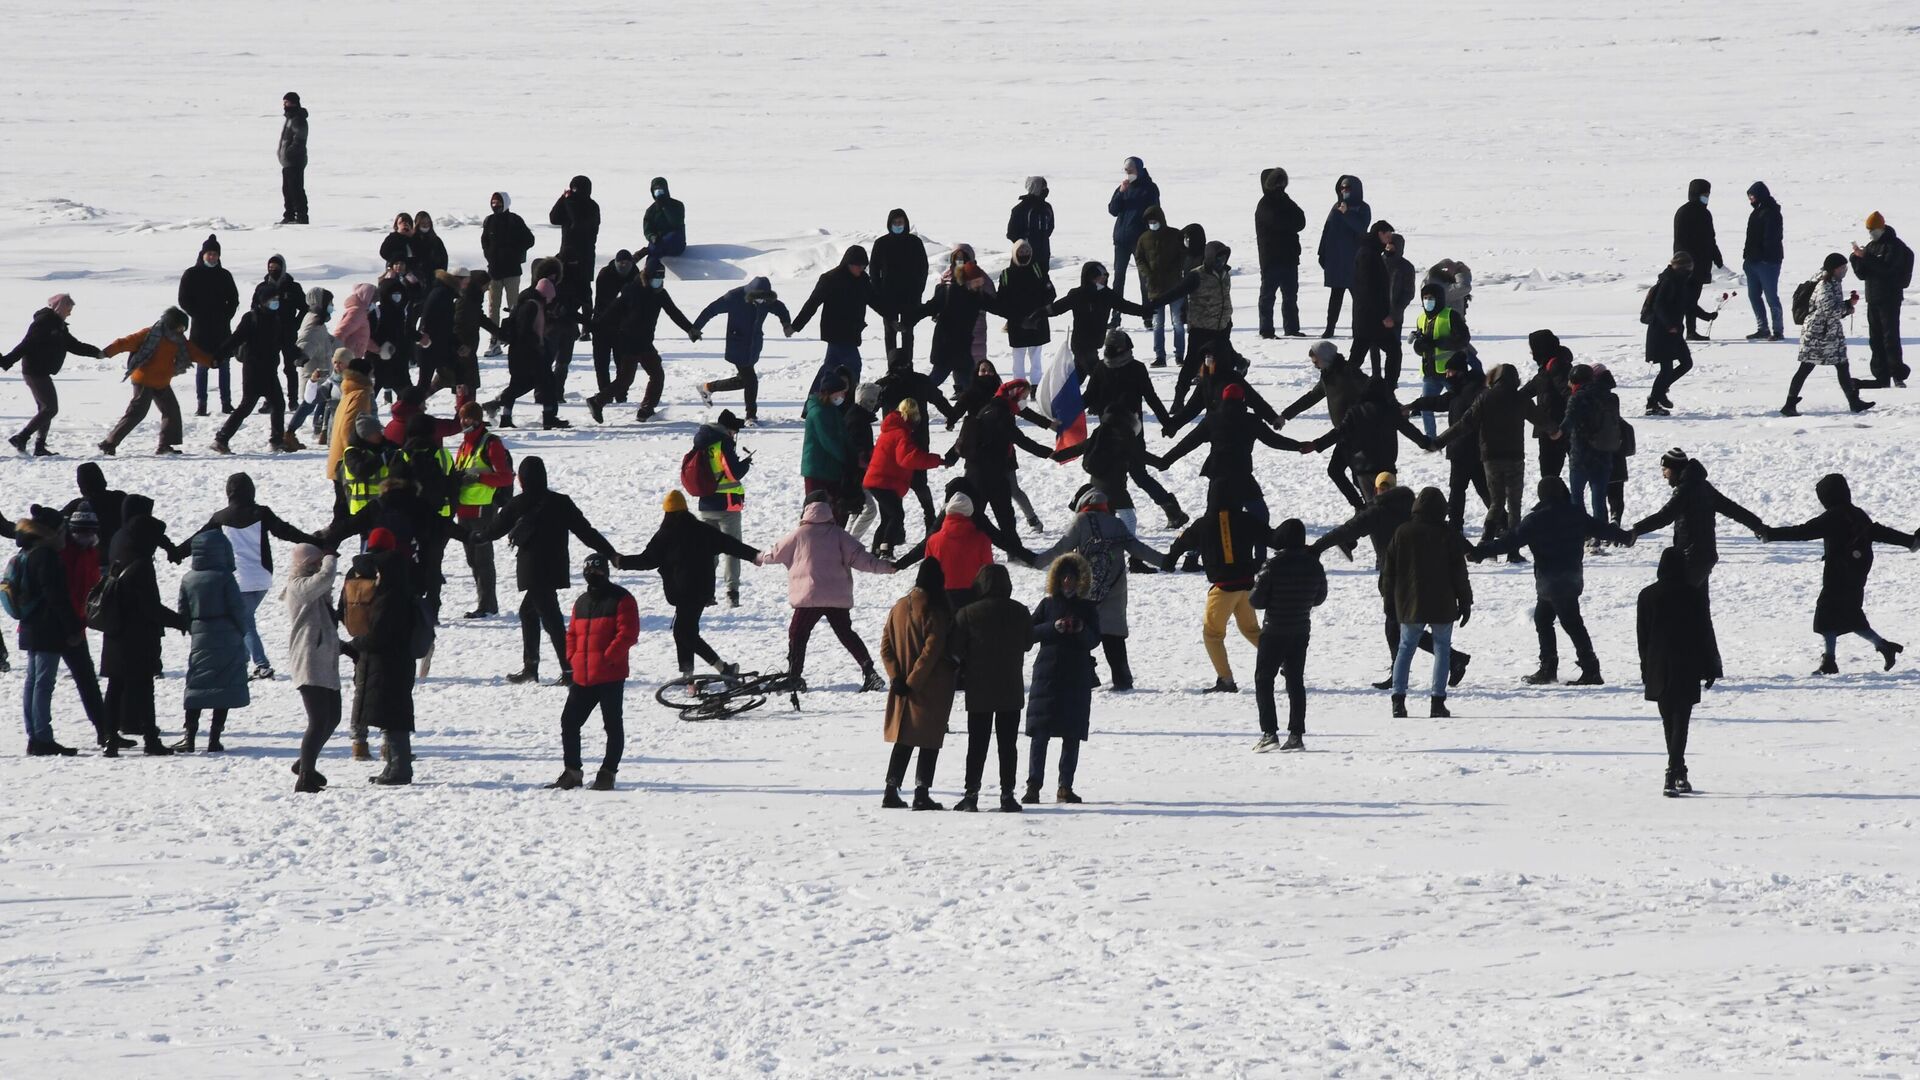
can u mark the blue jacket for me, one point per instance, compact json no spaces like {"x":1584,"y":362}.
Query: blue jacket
{"x":1556,"y":531}
{"x":746,"y":319}
{"x":1340,"y":236}
{"x":1129,"y":207}
{"x":210,"y":602}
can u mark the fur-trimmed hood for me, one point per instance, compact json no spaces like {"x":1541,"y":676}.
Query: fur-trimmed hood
{"x":1083,"y":575}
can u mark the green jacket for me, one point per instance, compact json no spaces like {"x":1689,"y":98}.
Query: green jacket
{"x":823,"y":444}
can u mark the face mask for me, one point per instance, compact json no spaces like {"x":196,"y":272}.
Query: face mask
{"x":1153,"y":226}
{"x":659,"y":193}
{"x":838,"y":400}
{"x":1876,"y":233}
{"x":1428,"y":305}
{"x":210,"y":260}
{"x":1131,"y":176}
{"x":1703,"y":200}
{"x":1099,"y":283}
{"x":273,"y":305}
{"x":656,"y":283}
{"x":1222,"y":267}
{"x":896,"y":229}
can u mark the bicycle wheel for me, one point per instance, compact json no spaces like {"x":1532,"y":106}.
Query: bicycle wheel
{"x":684,"y":694}
{"x":723,"y":707}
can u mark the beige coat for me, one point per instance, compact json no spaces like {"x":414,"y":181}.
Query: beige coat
{"x":914,"y":647}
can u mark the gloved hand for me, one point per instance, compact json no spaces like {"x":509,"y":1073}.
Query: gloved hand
{"x":694,"y":336}
{"x":899,"y":686}
{"x":1707,"y":683}
{"x":1466,"y":611}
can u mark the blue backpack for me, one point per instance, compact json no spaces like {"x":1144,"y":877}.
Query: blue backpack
{"x":15,"y":594}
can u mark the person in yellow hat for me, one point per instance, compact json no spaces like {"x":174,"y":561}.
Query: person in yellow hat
{"x":683,"y":549}
{"x":1885,"y":267}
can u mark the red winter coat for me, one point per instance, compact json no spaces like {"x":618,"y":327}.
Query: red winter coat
{"x":82,"y":565}
{"x":401,"y":412}
{"x":962,"y":550}
{"x":896,"y":458}
{"x":606,"y":623}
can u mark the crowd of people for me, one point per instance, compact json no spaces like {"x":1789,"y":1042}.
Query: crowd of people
{"x":402,"y":490}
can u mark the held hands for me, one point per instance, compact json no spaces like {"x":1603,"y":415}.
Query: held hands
{"x":694,"y":336}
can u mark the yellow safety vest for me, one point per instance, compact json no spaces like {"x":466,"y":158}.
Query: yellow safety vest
{"x":361,"y":490}
{"x":473,"y":492}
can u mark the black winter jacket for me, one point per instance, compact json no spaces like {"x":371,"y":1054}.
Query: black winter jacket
{"x":1693,"y":233}
{"x":44,"y":350}
{"x":842,"y":300}
{"x":1277,"y":222}
{"x":1292,"y":585}
{"x":537,"y":522}
{"x":683,"y":549}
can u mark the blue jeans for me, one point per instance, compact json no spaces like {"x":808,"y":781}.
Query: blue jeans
{"x":1591,"y":470}
{"x":841,"y":358}
{"x":1429,"y":386}
{"x":1037,"y":762}
{"x":36,"y":695}
{"x":1174,"y":311}
{"x":200,"y":386}
{"x":1763,"y":291}
{"x":257,"y":649}
{"x":1442,"y":656}
{"x":1121,"y":255}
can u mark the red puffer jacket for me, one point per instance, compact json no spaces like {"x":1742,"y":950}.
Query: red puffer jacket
{"x":606,"y":623}
{"x":962,"y":550}
{"x":896,"y":458}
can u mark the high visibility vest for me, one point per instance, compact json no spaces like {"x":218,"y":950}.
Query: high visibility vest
{"x":442,"y":460}
{"x":1438,"y":325}
{"x":474,"y":492}
{"x":724,"y":482}
{"x":361,"y":490}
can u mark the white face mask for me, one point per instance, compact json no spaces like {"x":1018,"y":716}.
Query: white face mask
{"x":1153,"y":226}
{"x":659,"y":193}
{"x":838,"y":399}
{"x":1876,"y":233}
{"x":210,"y":259}
{"x":1703,"y":200}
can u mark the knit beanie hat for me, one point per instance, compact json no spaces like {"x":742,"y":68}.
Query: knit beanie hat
{"x":674,"y":502}
{"x":212,"y":243}
{"x":1383,"y":481}
{"x":1673,"y":458}
{"x":61,"y":303}
{"x":1323,"y":351}
{"x":960,"y":505}
{"x":1876,"y":221}
{"x":381,"y":539}
{"x":1118,"y":349}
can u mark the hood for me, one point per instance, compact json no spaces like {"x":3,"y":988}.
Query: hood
{"x":1214,"y":252}
{"x":1074,"y":563}
{"x":1697,"y":187}
{"x":1552,"y":489}
{"x":993,"y":583}
{"x":318,"y":300}
{"x":135,"y":506}
{"x":895,"y":422}
{"x":506,"y":200}
{"x":533,"y":476}
{"x":240,"y":490}
{"x":1022,"y":253}
{"x":90,"y":480}
{"x":1035,"y":187}
{"x":855,"y":256}
{"x":1154,"y":214}
{"x":305,"y":561}
{"x":1543,"y":344}
{"x":1194,"y":236}
{"x":1358,"y":190}
{"x":581,"y":185}
{"x":659,"y":183}
{"x":1273,"y":181}
{"x":1505,"y":376}
{"x":931,"y":579}
{"x":297,"y":112}
{"x":211,"y":551}
{"x":1758,"y":189}
{"x":1139,"y":168}
{"x":896,"y":212}
{"x":1834,"y":492}
{"x":364,"y":295}
{"x":1090,"y":271}
{"x":819,"y":513}
{"x":1430,"y":505}
{"x":1290,"y":535}
{"x":760,"y":289}
{"x":1673,"y":567}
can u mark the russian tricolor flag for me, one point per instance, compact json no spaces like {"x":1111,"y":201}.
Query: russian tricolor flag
{"x":1058,"y":398}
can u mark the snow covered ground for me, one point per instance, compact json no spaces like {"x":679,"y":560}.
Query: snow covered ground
{"x":1500,"y":894}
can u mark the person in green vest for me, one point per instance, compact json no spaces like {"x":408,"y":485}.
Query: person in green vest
{"x":483,"y":475}
{"x":722,"y":508}
{"x":364,"y":466}
{"x":1438,"y":335}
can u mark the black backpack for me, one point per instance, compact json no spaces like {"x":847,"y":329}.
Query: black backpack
{"x":103,"y":604}
{"x":1803,"y":301}
{"x":1646,"y":306}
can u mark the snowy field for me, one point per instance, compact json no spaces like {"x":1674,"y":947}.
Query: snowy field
{"x":1500,"y":894}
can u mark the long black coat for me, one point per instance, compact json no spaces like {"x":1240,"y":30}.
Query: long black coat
{"x":209,"y":297}
{"x":1024,"y":292}
{"x":1848,"y":535}
{"x":134,"y":652}
{"x":1060,"y":705}
{"x":683,"y":549}
{"x":1277,"y":222}
{"x":1693,"y":233}
{"x":384,"y":669}
{"x":1677,"y":645}
{"x":1032,"y":221}
{"x":898,"y":269}
{"x":990,"y":639}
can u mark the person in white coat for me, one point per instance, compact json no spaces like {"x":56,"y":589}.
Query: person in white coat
{"x":313,"y":655}
{"x":248,"y":525}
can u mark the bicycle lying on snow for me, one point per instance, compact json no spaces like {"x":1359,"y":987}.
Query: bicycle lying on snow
{"x":720,"y":697}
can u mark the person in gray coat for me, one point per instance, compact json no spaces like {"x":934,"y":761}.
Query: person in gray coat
{"x":1099,"y":536}
{"x":216,"y":630}
{"x":313,"y":655}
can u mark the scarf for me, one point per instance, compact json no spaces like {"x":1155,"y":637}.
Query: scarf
{"x":156,"y":335}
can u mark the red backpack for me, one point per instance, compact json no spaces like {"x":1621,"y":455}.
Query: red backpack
{"x":695,"y":475}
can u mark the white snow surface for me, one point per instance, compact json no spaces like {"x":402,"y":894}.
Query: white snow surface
{"x":1499,"y":894}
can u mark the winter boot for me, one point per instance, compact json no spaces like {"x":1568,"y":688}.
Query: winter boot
{"x":360,"y":751}
{"x":1031,"y":796}
{"x":1889,"y":650}
{"x":1222,"y":685}
{"x":1137,"y":565}
{"x":1546,"y":676}
{"x":18,"y":442}
{"x":569,"y":780}
{"x":1761,"y":334}
{"x":1176,"y":517}
{"x":213,"y":737}
{"x":186,"y":743}
{"x":1399,"y":706}
{"x":1671,"y":791}
{"x":151,"y":746}
{"x":528,"y":674}
{"x":1589,"y":676}
{"x":290,"y":443}
{"x":1294,"y":742}
{"x":733,"y":597}
{"x":596,"y":408}
{"x":1009,"y":804}
{"x":319,"y":777}
{"x":1791,"y":408}
{"x":1437,"y":707}
{"x":968,"y":804}
{"x":923,"y":801}
{"x":603,"y":780}
{"x":1065,"y":794}
{"x":1457,"y":667}
{"x":1268,"y":742}
{"x":1681,"y":785}
{"x":1384,"y":684}
{"x":1827,"y":666}
{"x":220,"y":446}
{"x":891,"y":800}
{"x":869,"y":682}
{"x":1859,"y":405}
{"x":308,"y":784}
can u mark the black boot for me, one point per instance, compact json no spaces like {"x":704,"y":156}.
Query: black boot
{"x":969,"y":803}
{"x":1294,"y":742}
{"x":152,"y":746}
{"x":891,"y":800}
{"x":1670,"y":790}
{"x":1457,"y":667}
{"x":569,"y":780}
{"x":1009,"y":804}
{"x":1065,"y":794}
{"x":1889,"y":650}
{"x":1827,"y":666}
{"x":1399,"y":706}
{"x":527,"y":674}
{"x":1791,"y":408}
{"x":1589,"y":676}
{"x":1546,"y":676}
{"x":923,"y":801}
{"x":1437,"y":706}
{"x":213,"y":737}
{"x":185,"y":745}
{"x":1031,"y":796}
{"x":603,"y":780}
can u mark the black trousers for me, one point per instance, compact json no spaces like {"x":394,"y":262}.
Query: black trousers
{"x":293,"y":192}
{"x":256,"y":390}
{"x":1337,"y":472}
{"x":323,"y":719}
{"x":897,"y":765}
{"x":1674,"y":719}
{"x":924,"y":493}
{"x":1003,"y":728}
{"x":1886,"y":362}
{"x":79,"y":661}
{"x":1281,"y":654}
{"x":610,"y":699}
{"x":480,"y":561}
{"x":1462,"y":474}
{"x":1334,"y":299}
{"x":1567,"y":609}
{"x":603,"y":364}
{"x":745,"y":380}
{"x":1553,"y":456}
{"x":540,"y":610}
{"x":1372,"y":343}
{"x":1286,"y":281}
{"x":46,"y":405}
{"x":687,"y":642}
{"x":1841,"y":371}
{"x":129,"y":705}
{"x":892,"y":529}
{"x":800,"y":631}
{"x":1115,"y":647}
{"x":899,"y":336}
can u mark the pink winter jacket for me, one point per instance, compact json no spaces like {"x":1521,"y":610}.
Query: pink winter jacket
{"x":352,"y":327}
{"x":820,"y":558}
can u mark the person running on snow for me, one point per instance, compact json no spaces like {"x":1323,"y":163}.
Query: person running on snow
{"x":247,"y":526}
{"x":525,"y":331}
{"x":1229,"y":431}
{"x":1692,"y":510}
{"x":1496,"y":420}
{"x":1289,"y":588}
{"x":1341,"y":383}
{"x":683,"y":549}
{"x":261,"y":339}
{"x":604,"y":629}
{"x":891,"y":470}
{"x":903,"y":382}
{"x":1678,"y":656}
{"x":1848,"y":535}
{"x":1232,"y":542}
{"x":154,"y":356}
{"x":1823,"y":341}
{"x":41,"y":354}
{"x":820,"y":558}
{"x":746,"y":309}
{"x":633,"y":320}
{"x":1463,"y":386}
{"x":1555,"y":530}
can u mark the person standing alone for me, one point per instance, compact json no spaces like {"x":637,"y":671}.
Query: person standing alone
{"x":1760,"y":260}
{"x":293,"y":160}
